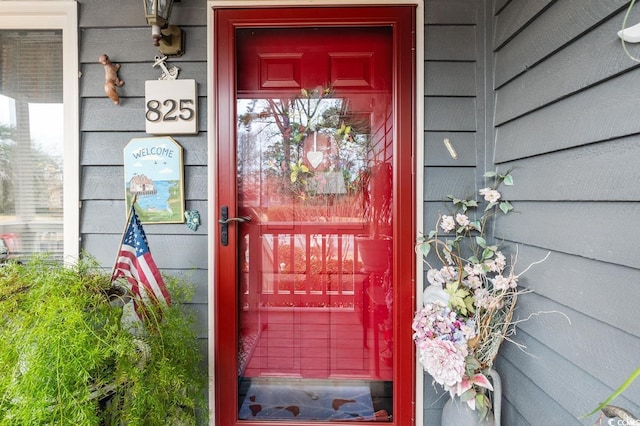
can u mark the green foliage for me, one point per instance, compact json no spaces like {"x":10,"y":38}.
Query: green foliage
{"x":66,"y":358}
{"x":615,"y":394}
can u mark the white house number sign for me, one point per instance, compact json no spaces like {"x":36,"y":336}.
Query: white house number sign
{"x":171,"y":107}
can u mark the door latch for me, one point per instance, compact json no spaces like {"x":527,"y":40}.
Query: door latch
{"x":224,"y":224}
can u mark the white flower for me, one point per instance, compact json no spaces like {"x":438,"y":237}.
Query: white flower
{"x":478,"y":269}
{"x":480,"y":297}
{"x":434,"y":277}
{"x":473,"y":281}
{"x":513,"y":281}
{"x":498,"y":263}
{"x":447,"y":223}
{"x":462,"y":219}
{"x":501,"y":283}
{"x":490,"y":195}
{"x":449,"y":273}
{"x":469,"y":269}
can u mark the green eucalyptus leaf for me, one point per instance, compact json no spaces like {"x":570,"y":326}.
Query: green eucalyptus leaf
{"x":506,"y":207}
{"x":476,"y":225}
{"x":489,"y":206}
{"x":469,"y":394}
{"x":490,"y":174}
{"x":472,"y":363}
{"x":508,"y":180}
{"x":481,"y":241}
{"x":424,"y":249}
{"x":487,"y":253}
{"x":482,"y":406}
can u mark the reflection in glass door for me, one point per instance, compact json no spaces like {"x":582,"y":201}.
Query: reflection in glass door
{"x":314,"y":153}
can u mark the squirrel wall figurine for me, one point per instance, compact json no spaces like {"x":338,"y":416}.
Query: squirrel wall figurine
{"x":111,"y":80}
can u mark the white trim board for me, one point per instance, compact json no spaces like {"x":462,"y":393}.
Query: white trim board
{"x":59,"y":15}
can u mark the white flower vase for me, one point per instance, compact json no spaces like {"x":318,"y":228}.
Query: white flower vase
{"x":458,"y":413}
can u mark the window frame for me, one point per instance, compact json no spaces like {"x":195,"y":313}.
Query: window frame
{"x":59,"y":15}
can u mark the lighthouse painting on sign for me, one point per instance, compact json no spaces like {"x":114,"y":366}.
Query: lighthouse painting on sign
{"x":153,"y":173}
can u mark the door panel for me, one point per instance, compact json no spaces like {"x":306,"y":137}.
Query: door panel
{"x":307,"y":312}
{"x":297,"y":58}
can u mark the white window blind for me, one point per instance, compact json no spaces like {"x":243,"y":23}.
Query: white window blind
{"x":31,"y":143}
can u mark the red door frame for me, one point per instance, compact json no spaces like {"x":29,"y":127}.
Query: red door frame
{"x":402,"y":20}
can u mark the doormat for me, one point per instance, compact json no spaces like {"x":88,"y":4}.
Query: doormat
{"x":307,"y":402}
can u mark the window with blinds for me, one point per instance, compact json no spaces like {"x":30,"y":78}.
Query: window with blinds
{"x":31,"y":143}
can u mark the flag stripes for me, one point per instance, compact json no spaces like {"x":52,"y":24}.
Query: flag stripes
{"x":135,"y":263}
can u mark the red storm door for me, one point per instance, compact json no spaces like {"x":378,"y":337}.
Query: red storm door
{"x":314,"y":255}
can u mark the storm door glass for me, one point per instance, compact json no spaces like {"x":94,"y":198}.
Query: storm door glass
{"x":314,"y":153}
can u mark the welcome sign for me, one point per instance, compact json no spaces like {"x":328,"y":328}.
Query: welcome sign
{"x":153,"y":173}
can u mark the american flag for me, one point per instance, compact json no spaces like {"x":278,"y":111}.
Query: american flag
{"x":136,"y":264}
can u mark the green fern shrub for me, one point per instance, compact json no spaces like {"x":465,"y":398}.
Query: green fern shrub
{"x":67,"y":358}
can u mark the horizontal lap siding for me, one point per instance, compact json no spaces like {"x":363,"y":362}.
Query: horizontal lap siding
{"x":106,"y":148}
{"x":595,"y":230}
{"x":584,"y":62}
{"x":566,"y":119}
{"x":118,"y":28}
{"x":558,"y":25}
{"x":453,"y":105}
{"x":605,"y":111}
{"x":599,"y":171}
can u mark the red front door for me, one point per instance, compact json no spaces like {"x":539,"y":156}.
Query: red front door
{"x":314,"y":261}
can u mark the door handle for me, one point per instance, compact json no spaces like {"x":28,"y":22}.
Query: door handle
{"x":224,"y":224}
{"x":235,"y":219}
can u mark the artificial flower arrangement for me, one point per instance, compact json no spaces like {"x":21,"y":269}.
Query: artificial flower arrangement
{"x":468,"y":306}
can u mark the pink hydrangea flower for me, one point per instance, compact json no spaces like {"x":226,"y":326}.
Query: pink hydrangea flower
{"x":443,"y":360}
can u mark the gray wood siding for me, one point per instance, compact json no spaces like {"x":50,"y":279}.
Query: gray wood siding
{"x":455,"y":105}
{"x":566,"y":117}
{"x":538,"y":38}
{"x":118,"y":28}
